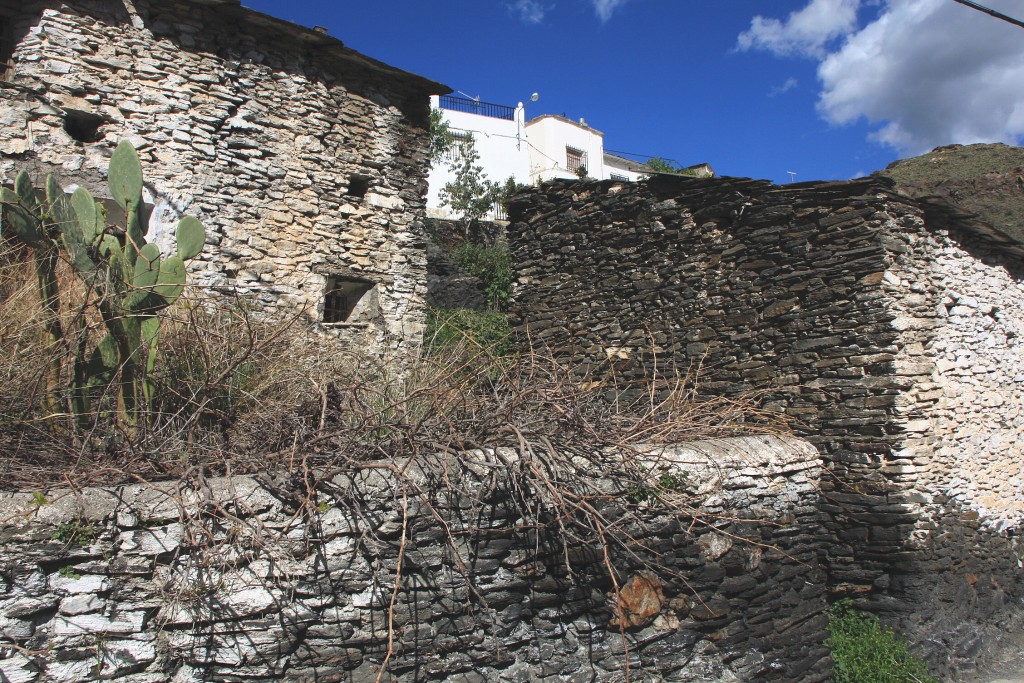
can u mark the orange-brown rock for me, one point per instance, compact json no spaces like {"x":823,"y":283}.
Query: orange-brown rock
{"x":638,"y":602}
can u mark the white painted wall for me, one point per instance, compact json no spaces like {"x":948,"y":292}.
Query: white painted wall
{"x":500,"y":143}
{"x":530,"y":152}
{"x":612,"y":167}
{"x":549,"y":135}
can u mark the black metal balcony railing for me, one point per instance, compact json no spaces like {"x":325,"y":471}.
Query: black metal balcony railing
{"x":468,"y":106}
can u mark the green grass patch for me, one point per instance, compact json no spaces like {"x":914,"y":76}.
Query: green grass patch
{"x":866,"y":651}
{"x":448,"y":327}
{"x":76,"y":532}
{"x":492,"y":265}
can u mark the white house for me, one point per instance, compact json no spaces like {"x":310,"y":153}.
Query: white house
{"x":545,"y":147}
{"x":499,"y":133}
{"x":621,"y":168}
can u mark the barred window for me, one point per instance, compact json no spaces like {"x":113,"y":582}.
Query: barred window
{"x":619,"y":178}
{"x":455,"y":150}
{"x":574,"y":159}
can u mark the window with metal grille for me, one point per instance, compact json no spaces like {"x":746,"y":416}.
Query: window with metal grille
{"x":619,"y":178}
{"x":574,"y":159}
{"x":343,"y":298}
{"x":456,"y":151}
{"x":500,"y":214}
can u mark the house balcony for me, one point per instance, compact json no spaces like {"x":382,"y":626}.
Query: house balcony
{"x":469,"y":106}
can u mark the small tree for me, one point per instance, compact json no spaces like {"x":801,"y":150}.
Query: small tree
{"x":471,"y":194}
{"x":441,"y":137}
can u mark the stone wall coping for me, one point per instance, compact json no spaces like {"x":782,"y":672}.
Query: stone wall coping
{"x":321,"y":42}
{"x":706,"y":462}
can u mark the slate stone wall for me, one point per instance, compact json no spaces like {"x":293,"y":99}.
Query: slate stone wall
{"x":236,"y":579}
{"x":891,"y":345}
{"x":305,"y":160}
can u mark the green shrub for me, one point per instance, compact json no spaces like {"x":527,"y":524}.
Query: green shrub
{"x":866,"y":651}
{"x":492,"y":266}
{"x":653,"y":490}
{"x":76,"y":532}
{"x":448,"y":327}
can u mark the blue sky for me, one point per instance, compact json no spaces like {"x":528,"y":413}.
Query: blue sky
{"x":828,"y":89}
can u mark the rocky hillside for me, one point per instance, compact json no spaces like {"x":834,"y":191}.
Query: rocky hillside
{"x":983,"y":179}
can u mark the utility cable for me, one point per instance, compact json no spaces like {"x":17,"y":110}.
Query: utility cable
{"x":992,"y":12}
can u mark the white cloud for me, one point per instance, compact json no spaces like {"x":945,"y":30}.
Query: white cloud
{"x":804,"y":32}
{"x":924,"y":72}
{"x":529,"y":11}
{"x":784,"y":88}
{"x":605,"y":8}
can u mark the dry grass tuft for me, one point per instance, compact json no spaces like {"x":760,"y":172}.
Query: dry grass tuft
{"x":234,"y":391}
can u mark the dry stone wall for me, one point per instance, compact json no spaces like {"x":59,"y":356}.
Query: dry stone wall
{"x":305,"y":160}
{"x":237,"y":579}
{"x":891,"y":344}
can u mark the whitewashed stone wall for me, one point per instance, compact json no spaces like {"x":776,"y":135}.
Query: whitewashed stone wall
{"x":236,"y":579}
{"x":960,"y":304}
{"x":261,"y":128}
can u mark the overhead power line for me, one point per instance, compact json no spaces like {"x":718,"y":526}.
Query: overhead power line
{"x":986,"y":10}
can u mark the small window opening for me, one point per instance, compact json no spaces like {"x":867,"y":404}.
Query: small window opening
{"x":83,"y":126}
{"x":358,"y":185}
{"x":6,"y":48}
{"x":343,"y":297}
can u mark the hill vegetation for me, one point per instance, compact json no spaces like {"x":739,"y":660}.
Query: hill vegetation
{"x":984,"y":179}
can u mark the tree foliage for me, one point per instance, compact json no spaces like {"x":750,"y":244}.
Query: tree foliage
{"x":441,"y":137}
{"x":492,"y":265}
{"x":659,"y":165}
{"x":471,"y":194}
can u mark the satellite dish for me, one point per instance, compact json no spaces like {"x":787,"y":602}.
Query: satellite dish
{"x":534,"y":97}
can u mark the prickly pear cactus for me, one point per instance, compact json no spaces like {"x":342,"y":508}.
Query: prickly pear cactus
{"x":133,"y":281}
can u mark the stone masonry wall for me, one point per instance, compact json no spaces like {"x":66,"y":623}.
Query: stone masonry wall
{"x":884,"y":341}
{"x":236,"y":579}
{"x":304,"y":159}
{"x":959,"y":304}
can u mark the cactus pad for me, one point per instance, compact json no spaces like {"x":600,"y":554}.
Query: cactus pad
{"x":125,"y":176}
{"x":147,"y":268}
{"x":191,"y":236}
{"x":24,"y":224}
{"x":171,"y":282}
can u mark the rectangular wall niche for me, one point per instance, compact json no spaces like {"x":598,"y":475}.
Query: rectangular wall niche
{"x":6,"y":48}
{"x":349,"y":300}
